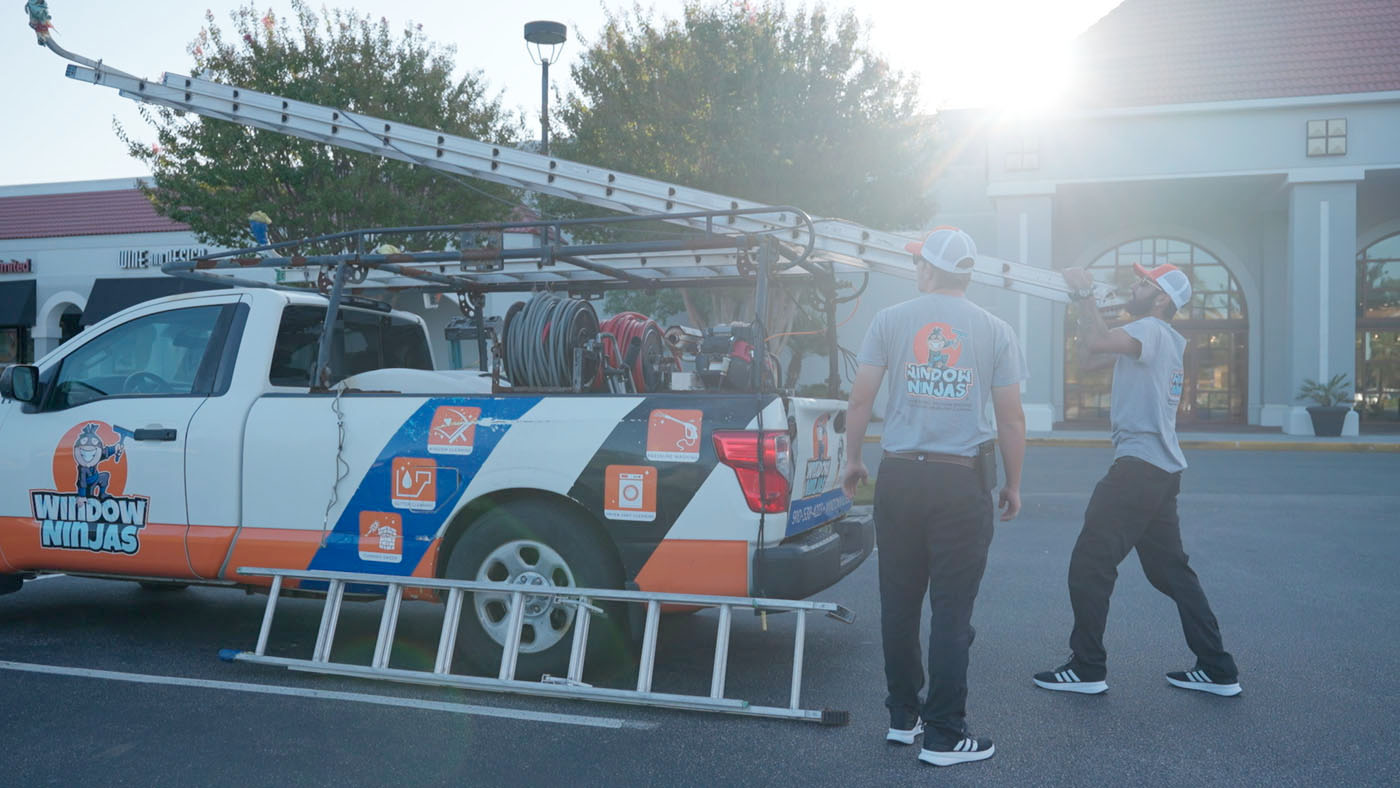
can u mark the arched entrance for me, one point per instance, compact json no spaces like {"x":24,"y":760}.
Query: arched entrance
{"x":1215,"y":324}
{"x":1378,"y":331}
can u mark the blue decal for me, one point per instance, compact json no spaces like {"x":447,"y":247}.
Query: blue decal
{"x":807,"y":512}
{"x":346,"y":549}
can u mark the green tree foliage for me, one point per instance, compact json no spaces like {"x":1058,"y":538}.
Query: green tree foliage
{"x":772,"y":106}
{"x":211,"y":174}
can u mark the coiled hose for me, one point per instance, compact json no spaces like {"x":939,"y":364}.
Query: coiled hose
{"x":540,"y":338}
{"x":630,"y":327}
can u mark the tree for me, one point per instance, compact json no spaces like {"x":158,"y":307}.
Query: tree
{"x":211,"y":174}
{"x":776,"y":107}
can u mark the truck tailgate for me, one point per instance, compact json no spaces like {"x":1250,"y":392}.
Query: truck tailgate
{"x":819,"y":456}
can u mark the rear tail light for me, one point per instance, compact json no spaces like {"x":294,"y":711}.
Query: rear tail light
{"x":765,"y":478}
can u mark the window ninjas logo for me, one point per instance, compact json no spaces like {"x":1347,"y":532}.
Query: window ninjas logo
{"x":87,"y":510}
{"x":937,"y":349}
{"x":72,"y":522}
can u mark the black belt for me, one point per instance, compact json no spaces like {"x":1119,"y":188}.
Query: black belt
{"x":933,"y":456}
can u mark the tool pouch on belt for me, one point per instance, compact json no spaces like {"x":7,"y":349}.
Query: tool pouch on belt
{"x":986,"y":464}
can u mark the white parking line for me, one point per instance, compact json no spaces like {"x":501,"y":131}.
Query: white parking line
{"x":354,"y":697}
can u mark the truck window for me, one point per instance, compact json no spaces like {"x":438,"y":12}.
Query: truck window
{"x":155,"y":355}
{"x":362,"y":341}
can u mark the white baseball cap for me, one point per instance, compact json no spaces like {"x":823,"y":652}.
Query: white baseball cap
{"x":946,"y":248}
{"x":1172,"y":281}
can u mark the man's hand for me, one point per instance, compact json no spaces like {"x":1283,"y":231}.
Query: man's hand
{"x":853,"y":477}
{"x":1009,"y":501}
{"x":1078,"y":279}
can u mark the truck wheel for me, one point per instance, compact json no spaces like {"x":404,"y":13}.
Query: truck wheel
{"x":536,"y":542}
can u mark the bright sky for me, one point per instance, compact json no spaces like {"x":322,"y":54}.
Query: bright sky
{"x":967,"y":53}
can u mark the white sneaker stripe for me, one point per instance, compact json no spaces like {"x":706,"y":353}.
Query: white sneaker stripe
{"x":1191,"y":675}
{"x":1072,"y":676}
{"x":1061,"y":677}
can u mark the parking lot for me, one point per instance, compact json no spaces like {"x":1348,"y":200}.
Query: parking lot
{"x":110,"y":684}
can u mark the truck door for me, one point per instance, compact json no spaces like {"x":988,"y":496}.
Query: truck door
{"x":105,"y":450}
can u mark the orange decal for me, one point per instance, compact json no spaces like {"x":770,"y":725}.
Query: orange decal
{"x":381,"y":537}
{"x":674,"y":435}
{"x":630,"y":492}
{"x":272,"y":548}
{"x":697,"y":566}
{"x":414,"y":484}
{"x":453,"y":430}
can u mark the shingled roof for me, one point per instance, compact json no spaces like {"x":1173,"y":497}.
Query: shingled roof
{"x":81,"y":213}
{"x":1151,"y":52}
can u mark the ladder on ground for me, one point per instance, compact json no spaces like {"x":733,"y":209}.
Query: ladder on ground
{"x":567,"y":686}
{"x":852,"y":246}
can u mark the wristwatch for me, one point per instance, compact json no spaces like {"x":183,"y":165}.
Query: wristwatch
{"x":1081,"y":294}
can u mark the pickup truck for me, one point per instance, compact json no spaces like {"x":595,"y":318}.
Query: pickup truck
{"x":180,"y":439}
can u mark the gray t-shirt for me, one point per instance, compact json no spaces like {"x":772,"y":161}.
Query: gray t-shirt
{"x":1146,"y":392}
{"x":942,"y":356}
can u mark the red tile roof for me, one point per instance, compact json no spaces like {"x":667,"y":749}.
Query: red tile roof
{"x":1149,"y":52}
{"x":81,"y":213}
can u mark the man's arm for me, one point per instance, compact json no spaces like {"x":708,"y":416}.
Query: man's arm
{"x":858,"y":410}
{"x":1095,"y":341}
{"x":1011,"y":436}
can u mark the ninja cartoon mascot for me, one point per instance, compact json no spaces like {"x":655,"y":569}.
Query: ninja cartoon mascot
{"x":939,"y":347}
{"x":88,"y":451}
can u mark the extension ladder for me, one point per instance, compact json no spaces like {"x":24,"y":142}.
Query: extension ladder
{"x":568,"y":686}
{"x":840,"y":242}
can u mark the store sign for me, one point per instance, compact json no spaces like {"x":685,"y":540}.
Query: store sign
{"x":149,"y":258}
{"x":16,"y":266}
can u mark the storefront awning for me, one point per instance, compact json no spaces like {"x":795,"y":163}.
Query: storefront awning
{"x":17,"y":303}
{"x":110,"y":296}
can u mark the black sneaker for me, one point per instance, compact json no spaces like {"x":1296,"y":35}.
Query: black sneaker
{"x":1199,"y":679}
{"x":1073,"y":677}
{"x":963,"y":750}
{"x":898,"y":734}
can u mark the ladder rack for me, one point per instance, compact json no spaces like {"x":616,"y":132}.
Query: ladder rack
{"x":836,"y":241}
{"x":570,"y":685}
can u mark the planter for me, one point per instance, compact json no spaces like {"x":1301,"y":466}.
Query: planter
{"x":1327,"y":420}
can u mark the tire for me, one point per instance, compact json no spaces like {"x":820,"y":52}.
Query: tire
{"x":535,"y":542}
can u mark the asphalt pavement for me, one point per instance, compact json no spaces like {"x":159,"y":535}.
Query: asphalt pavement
{"x":109,"y":684}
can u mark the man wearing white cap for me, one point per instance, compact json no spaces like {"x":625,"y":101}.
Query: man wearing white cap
{"x":1134,"y":506}
{"x":945,"y":359}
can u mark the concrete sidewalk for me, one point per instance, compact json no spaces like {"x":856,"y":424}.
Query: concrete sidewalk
{"x":1260,"y":440}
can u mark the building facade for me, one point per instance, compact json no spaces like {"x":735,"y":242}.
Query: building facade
{"x":1256,"y":145}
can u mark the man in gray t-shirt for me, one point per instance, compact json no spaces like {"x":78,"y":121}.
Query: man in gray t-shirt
{"x":944,"y":359}
{"x":1134,"y":506}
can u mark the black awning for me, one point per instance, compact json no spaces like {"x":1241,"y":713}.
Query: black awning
{"x":17,"y":303}
{"x":110,"y":296}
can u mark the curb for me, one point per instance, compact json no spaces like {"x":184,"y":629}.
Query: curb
{"x":1223,"y":445}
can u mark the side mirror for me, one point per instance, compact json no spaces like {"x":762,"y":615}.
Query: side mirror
{"x":20,"y":382}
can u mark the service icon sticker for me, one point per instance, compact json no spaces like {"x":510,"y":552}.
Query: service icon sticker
{"x":674,"y":435}
{"x":453,"y":430}
{"x":630,"y":493}
{"x":381,"y":537}
{"x":414,"y":484}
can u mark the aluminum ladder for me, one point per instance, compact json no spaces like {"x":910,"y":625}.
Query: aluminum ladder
{"x":569,"y":686}
{"x":841,"y":242}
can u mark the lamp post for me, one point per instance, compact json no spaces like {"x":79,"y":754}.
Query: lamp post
{"x":544,"y":40}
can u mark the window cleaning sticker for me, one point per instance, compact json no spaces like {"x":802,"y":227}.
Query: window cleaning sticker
{"x":414,"y":484}
{"x":88,"y":507}
{"x":674,"y":435}
{"x":381,"y":537}
{"x":453,"y":430}
{"x":630,"y":493}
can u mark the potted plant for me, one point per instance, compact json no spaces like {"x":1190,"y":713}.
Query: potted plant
{"x":1328,"y":411}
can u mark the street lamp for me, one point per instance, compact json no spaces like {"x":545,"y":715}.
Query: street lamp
{"x":544,"y":40}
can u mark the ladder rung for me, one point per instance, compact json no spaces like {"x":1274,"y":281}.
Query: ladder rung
{"x":388,"y":624}
{"x":510,"y":652}
{"x":447,"y":641}
{"x":721,"y":669}
{"x":266,"y":629}
{"x":578,"y":651}
{"x":648,"y":666}
{"x":330,"y":615}
{"x":798,"y":645}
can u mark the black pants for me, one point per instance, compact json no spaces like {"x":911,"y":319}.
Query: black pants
{"x":1134,"y":507}
{"x":933,"y":524}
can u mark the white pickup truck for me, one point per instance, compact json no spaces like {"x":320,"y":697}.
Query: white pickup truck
{"x":179,"y":440}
